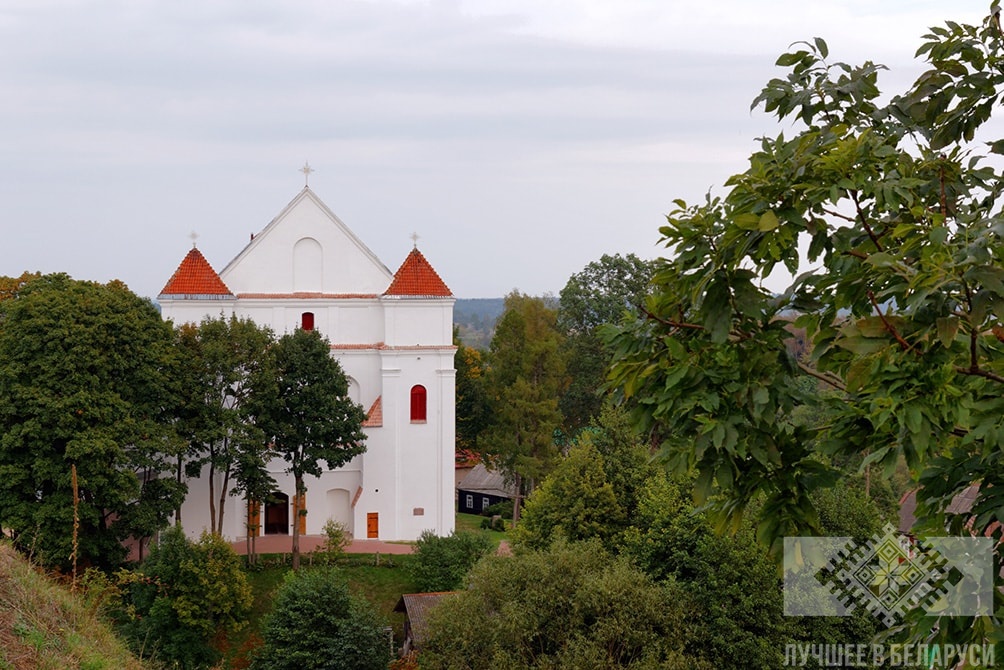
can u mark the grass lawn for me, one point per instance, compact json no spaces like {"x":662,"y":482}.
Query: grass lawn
{"x":472,"y":522}
{"x":381,"y":584}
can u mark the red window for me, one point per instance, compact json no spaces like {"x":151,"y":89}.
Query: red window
{"x":418,"y":403}
{"x":307,"y":321}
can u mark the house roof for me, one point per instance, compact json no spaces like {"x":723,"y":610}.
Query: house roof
{"x":417,"y":278}
{"x":374,"y":417}
{"x":482,"y":480}
{"x":195,"y":276}
{"x":962,"y":503}
{"x":417,"y":607}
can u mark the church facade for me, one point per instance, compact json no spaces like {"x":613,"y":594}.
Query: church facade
{"x":392,"y":333}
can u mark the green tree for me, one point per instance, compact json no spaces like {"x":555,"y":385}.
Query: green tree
{"x":595,"y":489}
{"x":903,"y":306}
{"x":183,"y":596}
{"x":11,"y":286}
{"x":316,"y":623}
{"x":473,"y":410}
{"x":526,"y":378}
{"x":222,"y":355}
{"x":601,"y":293}
{"x":734,"y":585}
{"x":572,"y":606}
{"x":86,"y":379}
{"x":303,"y":407}
{"x":441,"y":563}
{"x":575,"y":502}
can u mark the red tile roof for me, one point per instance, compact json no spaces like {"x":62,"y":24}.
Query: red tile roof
{"x":416,"y":277}
{"x":195,"y":276}
{"x":374,"y":417}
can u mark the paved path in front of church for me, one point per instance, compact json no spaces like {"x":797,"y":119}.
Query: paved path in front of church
{"x":282,"y":544}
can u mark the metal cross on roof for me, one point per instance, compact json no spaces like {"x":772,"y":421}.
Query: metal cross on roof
{"x":194,"y":235}
{"x":414,"y":239}
{"x":306,"y":170}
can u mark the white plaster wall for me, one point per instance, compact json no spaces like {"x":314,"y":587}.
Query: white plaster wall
{"x":389,"y":344}
{"x":266,"y":265}
{"x":418,"y":321}
{"x":194,"y":311}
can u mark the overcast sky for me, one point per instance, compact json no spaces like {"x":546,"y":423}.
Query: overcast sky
{"x":521,"y":139}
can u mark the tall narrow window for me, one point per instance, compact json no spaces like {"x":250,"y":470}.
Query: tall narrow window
{"x":418,"y":403}
{"x":307,"y":321}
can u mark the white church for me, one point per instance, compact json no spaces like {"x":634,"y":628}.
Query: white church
{"x":392,"y":333}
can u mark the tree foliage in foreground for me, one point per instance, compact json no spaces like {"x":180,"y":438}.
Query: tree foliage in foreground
{"x":86,"y":379}
{"x":302,"y":405}
{"x":221,"y":356}
{"x":903,"y":301}
{"x":183,"y":596}
{"x":569,"y":607}
{"x":441,"y":563}
{"x":315,"y":623}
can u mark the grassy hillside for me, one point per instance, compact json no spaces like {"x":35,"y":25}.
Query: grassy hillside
{"x":43,"y":625}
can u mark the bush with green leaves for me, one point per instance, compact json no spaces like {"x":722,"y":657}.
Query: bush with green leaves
{"x":571,"y":606}
{"x":336,"y":538}
{"x":441,"y":563}
{"x":502,"y":508}
{"x":182,"y":596}
{"x":315,"y":623}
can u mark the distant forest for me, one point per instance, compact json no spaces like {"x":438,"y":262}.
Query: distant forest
{"x":475,"y":319}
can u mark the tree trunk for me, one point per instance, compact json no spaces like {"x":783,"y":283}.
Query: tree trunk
{"x":212,"y":495}
{"x":296,"y":520}
{"x":518,"y":485}
{"x":223,"y":498}
{"x":177,"y":510}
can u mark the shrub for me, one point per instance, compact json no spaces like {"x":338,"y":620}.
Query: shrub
{"x":182,"y":596}
{"x":502,"y":509}
{"x":568,"y":607}
{"x":316,"y":623}
{"x":336,"y":538}
{"x":440,"y":563}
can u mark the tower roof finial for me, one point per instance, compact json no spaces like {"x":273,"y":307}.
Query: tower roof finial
{"x":194,"y":235}
{"x":306,"y":170}
{"x":414,"y":239}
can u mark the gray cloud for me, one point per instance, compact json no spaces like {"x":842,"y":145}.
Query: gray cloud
{"x":518,"y":151}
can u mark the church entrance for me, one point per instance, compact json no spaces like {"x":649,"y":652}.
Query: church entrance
{"x":277,"y":514}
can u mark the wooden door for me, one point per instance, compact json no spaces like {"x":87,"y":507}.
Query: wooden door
{"x":277,"y":514}
{"x":372,"y":525}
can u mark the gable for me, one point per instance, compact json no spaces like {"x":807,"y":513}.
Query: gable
{"x":306,"y":249}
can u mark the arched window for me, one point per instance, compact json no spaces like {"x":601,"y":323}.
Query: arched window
{"x":307,"y":321}
{"x":418,"y":403}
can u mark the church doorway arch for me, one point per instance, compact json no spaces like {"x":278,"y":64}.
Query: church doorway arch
{"x":277,"y":514}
